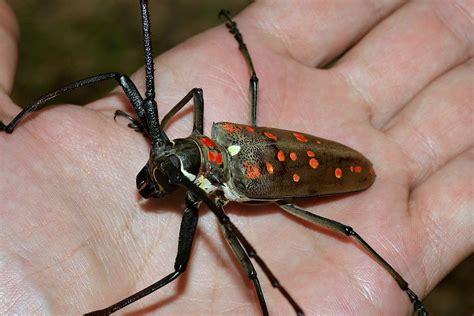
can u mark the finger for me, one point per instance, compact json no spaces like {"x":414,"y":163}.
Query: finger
{"x":437,"y":125}
{"x":442,"y":208}
{"x":404,"y":53}
{"x":312,"y":32}
{"x":8,"y":47}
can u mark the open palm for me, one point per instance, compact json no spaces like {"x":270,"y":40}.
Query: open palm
{"x":76,"y":235}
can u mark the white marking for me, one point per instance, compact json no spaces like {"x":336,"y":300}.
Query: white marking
{"x":233,"y":149}
{"x":188,"y":175}
{"x":205,"y":184}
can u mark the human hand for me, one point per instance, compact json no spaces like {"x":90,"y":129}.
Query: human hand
{"x":78,"y":237}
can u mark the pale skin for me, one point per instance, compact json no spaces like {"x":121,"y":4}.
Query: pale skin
{"x":76,"y":236}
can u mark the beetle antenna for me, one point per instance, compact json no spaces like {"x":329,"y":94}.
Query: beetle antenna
{"x":159,"y":139}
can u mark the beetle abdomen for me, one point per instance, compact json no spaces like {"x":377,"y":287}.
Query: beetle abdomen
{"x":270,"y":164}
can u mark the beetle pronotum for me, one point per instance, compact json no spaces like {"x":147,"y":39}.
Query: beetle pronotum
{"x":239,"y":163}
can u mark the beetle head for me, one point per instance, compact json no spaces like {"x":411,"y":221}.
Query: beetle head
{"x":152,"y":182}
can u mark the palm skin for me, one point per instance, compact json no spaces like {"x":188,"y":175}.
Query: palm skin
{"x":78,"y":237}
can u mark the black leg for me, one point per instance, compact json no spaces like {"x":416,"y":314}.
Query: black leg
{"x":244,"y":260}
{"x":135,"y":98}
{"x":186,"y":237}
{"x":348,"y":231}
{"x":232,"y":26}
{"x":198,"y":99}
{"x":138,"y":124}
{"x":135,"y":123}
{"x":172,"y":169}
{"x":126,"y":84}
{"x":252,"y":253}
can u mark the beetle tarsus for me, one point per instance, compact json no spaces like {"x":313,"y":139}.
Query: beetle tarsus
{"x":225,"y":13}
{"x":6,"y":128}
{"x":418,"y":305}
{"x":134,"y":124}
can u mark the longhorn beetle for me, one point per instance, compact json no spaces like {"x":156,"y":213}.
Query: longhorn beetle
{"x":239,"y":163}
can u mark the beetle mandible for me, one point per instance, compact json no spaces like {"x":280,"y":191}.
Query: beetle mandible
{"x":241,"y":163}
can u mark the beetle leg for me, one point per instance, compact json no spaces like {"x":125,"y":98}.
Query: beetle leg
{"x":134,"y":123}
{"x":198,"y":100}
{"x":127,"y":85}
{"x":244,"y":260}
{"x":253,"y":82}
{"x":252,"y":253}
{"x":348,"y":231}
{"x":173,"y":171}
{"x":186,"y":237}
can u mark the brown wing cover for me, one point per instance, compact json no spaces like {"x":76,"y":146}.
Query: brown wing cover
{"x":269,"y":163}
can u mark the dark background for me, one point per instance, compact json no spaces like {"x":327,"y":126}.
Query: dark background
{"x":62,"y":41}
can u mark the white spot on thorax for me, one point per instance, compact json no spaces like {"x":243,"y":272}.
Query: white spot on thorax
{"x":188,"y":175}
{"x":205,"y":184}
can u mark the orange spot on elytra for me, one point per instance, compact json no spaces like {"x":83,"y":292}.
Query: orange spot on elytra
{"x":358,"y":169}
{"x":318,"y":142}
{"x":300,"y":137}
{"x":338,"y":173}
{"x":352,"y":168}
{"x":251,"y":171}
{"x":270,"y":135}
{"x":293,"y":156}
{"x":281,"y":155}
{"x":250,"y":129}
{"x":314,"y":163}
{"x":296,"y":177}
{"x":269,"y":168}
{"x":208,"y":142}
{"x":231,"y":128}
{"x":310,"y":153}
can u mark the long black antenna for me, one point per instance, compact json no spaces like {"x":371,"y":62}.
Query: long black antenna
{"x":159,"y":140}
{"x":149,"y":66}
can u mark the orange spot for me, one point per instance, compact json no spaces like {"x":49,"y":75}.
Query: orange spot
{"x":212,"y":155}
{"x":251,"y":171}
{"x":215,"y":157}
{"x":296,"y":177}
{"x":231,"y":128}
{"x":314,"y":163}
{"x":310,"y":153}
{"x":300,"y":137}
{"x":352,"y":168}
{"x":281,"y":155}
{"x":293,"y":156}
{"x":270,"y":135}
{"x":219,"y":159}
{"x":318,"y":142}
{"x":269,"y":168}
{"x":250,"y":129}
{"x":358,"y":169}
{"x":208,"y":142}
{"x":338,"y":173}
